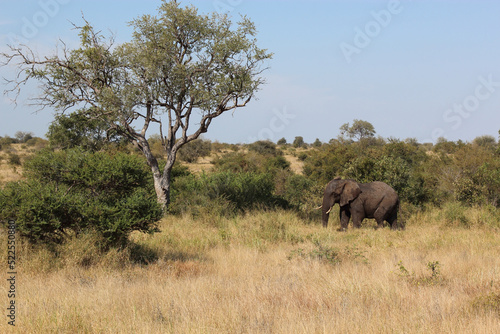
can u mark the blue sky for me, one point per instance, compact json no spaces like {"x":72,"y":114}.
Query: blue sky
{"x":414,"y":69}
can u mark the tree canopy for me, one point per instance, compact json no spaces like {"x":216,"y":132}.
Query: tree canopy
{"x":180,"y":70}
{"x":358,"y":130}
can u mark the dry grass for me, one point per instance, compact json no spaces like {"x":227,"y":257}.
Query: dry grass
{"x":296,"y":165}
{"x":9,"y":172}
{"x":266,"y":272}
{"x":202,"y":164}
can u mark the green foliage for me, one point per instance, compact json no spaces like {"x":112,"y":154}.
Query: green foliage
{"x":13,"y":159}
{"x":79,"y":130}
{"x":297,"y":190}
{"x":239,"y":162}
{"x":231,"y":192}
{"x":6,"y":142}
{"x":470,"y":174}
{"x":195,"y":149}
{"x":282,"y":141}
{"x":454,"y":214}
{"x":302,"y":156}
{"x":298,"y":142}
{"x":328,"y":161}
{"x":265,"y":147}
{"x":277,"y":163}
{"x":488,"y":142}
{"x":180,"y":67}
{"x":359,"y":130}
{"x":447,"y":147}
{"x":317,"y":143}
{"x":77,"y":191}
{"x":396,"y":163}
{"x":481,"y":186}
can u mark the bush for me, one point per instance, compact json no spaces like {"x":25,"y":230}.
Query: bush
{"x":6,"y":141}
{"x":275,"y":164}
{"x":298,"y":142}
{"x":227,"y":192}
{"x":454,"y":214}
{"x":79,"y":130}
{"x":282,"y":141}
{"x":14,"y":159}
{"x":76,"y":191}
{"x":193,"y":150}
{"x":265,"y":147}
{"x":297,"y":190}
{"x":302,"y":156}
{"x":237,"y":162}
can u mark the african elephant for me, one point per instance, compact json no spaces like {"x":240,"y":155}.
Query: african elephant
{"x":361,"y":200}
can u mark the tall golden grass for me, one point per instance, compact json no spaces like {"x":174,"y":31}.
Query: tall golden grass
{"x":268,"y":272}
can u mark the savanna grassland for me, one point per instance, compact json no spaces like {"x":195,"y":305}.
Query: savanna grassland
{"x":267,"y":272}
{"x":210,"y":268}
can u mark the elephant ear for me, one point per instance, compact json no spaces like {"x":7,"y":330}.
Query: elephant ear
{"x":350,"y":192}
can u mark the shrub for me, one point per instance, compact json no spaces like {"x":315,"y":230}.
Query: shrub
{"x":476,"y":177}
{"x":37,"y":143}
{"x":75,"y":191}
{"x":6,"y":141}
{"x":299,"y":142}
{"x":193,"y":150}
{"x":245,"y":190}
{"x":454,"y":214}
{"x":78,"y":129}
{"x":302,"y":156}
{"x":488,"y":142}
{"x":265,"y":147}
{"x":275,"y":164}
{"x":223,"y":192}
{"x":238,"y":162}
{"x":14,"y":159}
{"x":328,"y":161}
{"x":297,"y":190}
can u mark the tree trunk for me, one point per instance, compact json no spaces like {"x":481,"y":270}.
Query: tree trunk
{"x":162,"y":182}
{"x":162,"y":189}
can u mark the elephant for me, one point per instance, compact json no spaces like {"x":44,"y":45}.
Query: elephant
{"x":361,"y":200}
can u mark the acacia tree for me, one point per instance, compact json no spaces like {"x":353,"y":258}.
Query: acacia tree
{"x":180,"y":70}
{"x":359,"y":130}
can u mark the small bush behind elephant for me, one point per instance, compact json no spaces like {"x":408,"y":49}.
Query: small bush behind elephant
{"x":361,"y":200}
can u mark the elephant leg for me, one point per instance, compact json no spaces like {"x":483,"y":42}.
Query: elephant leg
{"x":357,"y":218}
{"x":345,"y":215}
{"x":379,"y":216}
{"x":356,"y":221}
{"x":393,"y":221}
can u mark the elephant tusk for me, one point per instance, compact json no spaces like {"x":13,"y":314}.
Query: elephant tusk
{"x":329,"y":210}
{"x":319,"y":207}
